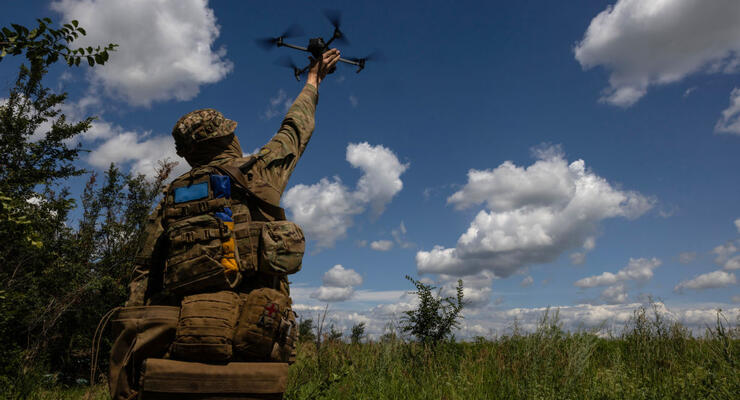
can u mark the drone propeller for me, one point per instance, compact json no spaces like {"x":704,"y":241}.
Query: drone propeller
{"x":287,"y":62}
{"x":360,"y":62}
{"x":335,"y":17}
{"x":268,"y":43}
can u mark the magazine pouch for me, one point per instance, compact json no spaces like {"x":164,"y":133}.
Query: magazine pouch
{"x":206,"y":327}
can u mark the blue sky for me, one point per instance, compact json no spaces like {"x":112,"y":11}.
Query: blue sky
{"x":580,"y":155}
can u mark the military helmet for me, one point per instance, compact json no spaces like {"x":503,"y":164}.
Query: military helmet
{"x":200,"y":125}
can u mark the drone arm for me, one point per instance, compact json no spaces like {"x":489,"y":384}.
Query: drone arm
{"x":359,"y":63}
{"x":292,"y":46}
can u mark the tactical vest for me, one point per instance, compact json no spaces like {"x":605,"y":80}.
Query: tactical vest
{"x":215,"y":238}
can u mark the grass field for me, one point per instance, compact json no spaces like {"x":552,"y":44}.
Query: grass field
{"x":650,"y":359}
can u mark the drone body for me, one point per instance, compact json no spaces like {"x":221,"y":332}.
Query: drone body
{"x":316,"y":46}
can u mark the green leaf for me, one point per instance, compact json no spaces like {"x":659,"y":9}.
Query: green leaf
{"x":75,"y":23}
{"x":77,"y":61}
{"x":89,"y":50}
{"x":82,"y":31}
{"x":90,"y":60}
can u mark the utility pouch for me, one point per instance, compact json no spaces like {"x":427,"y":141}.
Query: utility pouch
{"x":139,"y":333}
{"x":282,"y":245}
{"x":273,"y":248}
{"x":170,"y":379}
{"x":206,"y":327}
{"x":266,"y":329}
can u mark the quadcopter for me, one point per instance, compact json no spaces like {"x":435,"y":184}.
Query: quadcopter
{"x":316,"y":46}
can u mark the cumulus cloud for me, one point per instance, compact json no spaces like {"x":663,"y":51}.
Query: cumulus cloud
{"x":652,"y":42}
{"x":339,"y":284}
{"x":381,"y":178}
{"x":528,"y":281}
{"x":165,"y":46}
{"x":616,"y":294}
{"x":326,"y":209}
{"x":732,"y":263}
{"x":640,"y":269}
{"x":533,"y":215}
{"x":492,"y":320}
{"x":686,"y":257}
{"x":476,"y":288}
{"x":142,"y":151}
{"x":711,"y":280}
{"x":729,"y":122}
{"x":381,"y":245}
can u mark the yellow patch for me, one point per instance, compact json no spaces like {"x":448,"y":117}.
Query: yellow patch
{"x":264,"y":152}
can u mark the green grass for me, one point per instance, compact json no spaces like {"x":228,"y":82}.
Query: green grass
{"x":651,"y":359}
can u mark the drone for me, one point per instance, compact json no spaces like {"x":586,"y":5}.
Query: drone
{"x":316,"y":46}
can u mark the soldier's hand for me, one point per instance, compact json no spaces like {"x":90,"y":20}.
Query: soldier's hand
{"x":320,"y":68}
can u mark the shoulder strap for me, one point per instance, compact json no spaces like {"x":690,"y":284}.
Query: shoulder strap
{"x":237,"y":174}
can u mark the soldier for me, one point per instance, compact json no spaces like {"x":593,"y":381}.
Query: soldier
{"x":203,"y":240}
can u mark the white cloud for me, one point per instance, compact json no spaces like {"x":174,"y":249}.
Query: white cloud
{"x":640,"y":269}
{"x":399,"y":235}
{"x":492,"y":320}
{"x":353,"y":100}
{"x":333,"y":294}
{"x":381,"y":178}
{"x":528,"y":281}
{"x":730,"y":120}
{"x":652,"y":42}
{"x":736,"y":299}
{"x":165,"y":46}
{"x":686,"y":257}
{"x":339,"y":284}
{"x":339,"y":276}
{"x":280,"y":104}
{"x":724,"y":252}
{"x":737,"y":224}
{"x":476,"y":288}
{"x":534,"y":215}
{"x":616,"y":294}
{"x":326,"y":209}
{"x":143,"y":151}
{"x":733,"y":263}
{"x":711,"y":280}
{"x":381,"y":245}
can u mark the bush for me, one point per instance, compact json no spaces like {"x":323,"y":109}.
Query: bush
{"x":435,"y":317}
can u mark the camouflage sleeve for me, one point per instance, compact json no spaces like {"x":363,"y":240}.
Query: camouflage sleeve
{"x":279,"y":156}
{"x":148,"y":258}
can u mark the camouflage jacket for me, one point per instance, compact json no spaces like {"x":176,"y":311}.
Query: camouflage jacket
{"x":267,"y":179}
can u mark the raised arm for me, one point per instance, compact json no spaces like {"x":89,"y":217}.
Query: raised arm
{"x":280,"y":155}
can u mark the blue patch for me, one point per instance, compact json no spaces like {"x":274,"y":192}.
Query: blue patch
{"x":221,"y":185}
{"x":224,"y":215}
{"x":192,"y":192}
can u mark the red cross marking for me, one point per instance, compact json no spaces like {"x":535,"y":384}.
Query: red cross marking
{"x":271,"y":308}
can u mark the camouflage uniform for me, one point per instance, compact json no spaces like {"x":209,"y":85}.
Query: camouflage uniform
{"x":205,"y":137}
